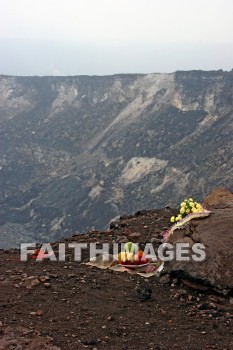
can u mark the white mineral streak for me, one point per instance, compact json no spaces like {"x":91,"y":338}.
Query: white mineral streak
{"x":139,"y":167}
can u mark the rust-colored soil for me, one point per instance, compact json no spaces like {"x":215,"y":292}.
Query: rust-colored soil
{"x":74,"y":306}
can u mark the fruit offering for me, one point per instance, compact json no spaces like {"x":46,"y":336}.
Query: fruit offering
{"x":126,"y":258}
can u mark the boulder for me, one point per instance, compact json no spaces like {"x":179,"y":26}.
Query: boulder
{"x":219,"y":198}
{"x":216,"y":233}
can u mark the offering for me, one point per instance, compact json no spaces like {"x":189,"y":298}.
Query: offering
{"x":131,"y":257}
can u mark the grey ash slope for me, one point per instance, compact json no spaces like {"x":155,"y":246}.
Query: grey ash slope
{"x":78,"y":151}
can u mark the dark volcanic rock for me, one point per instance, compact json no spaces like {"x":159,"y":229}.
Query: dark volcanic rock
{"x":143,"y":290}
{"x":216,"y":233}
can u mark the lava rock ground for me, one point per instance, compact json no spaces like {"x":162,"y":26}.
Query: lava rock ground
{"x":70,"y":306}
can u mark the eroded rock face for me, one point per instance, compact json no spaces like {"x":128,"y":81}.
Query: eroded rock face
{"x":216,"y":233}
{"x":79,"y":151}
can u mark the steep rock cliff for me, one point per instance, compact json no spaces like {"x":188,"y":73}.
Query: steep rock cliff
{"x":78,"y":151}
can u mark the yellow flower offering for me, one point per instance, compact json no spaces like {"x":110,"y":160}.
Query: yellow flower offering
{"x":179,"y":217}
{"x":173,"y":219}
{"x":188,"y":206}
{"x":182,"y":210}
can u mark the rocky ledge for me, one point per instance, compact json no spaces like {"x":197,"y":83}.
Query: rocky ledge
{"x":216,"y":234}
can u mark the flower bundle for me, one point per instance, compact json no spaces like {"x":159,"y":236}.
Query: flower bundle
{"x":189,"y":209}
{"x":188,"y":206}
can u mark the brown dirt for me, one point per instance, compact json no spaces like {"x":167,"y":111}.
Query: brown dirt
{"x":84,"y":307}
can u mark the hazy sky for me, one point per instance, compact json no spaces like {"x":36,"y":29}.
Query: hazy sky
{"x":60,"y":37}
